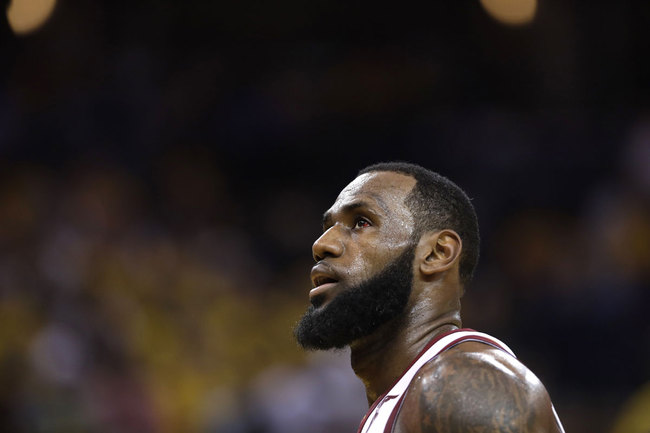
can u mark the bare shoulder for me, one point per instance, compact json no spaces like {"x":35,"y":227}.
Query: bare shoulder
{"x":476,"y":388}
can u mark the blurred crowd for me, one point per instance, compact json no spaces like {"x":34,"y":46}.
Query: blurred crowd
{"x":164,"y":167}
{"x":115,"y":320}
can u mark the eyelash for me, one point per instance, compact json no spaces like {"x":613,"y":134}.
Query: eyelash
{"x":356,"y":224}
{"x":361,"y":220}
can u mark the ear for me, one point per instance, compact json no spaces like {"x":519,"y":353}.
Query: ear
{"x":438,"y":251}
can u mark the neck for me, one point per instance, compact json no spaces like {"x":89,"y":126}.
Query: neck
{"x":380,"y":359}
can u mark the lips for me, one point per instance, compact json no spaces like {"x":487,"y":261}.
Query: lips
{"x":323,"y":279}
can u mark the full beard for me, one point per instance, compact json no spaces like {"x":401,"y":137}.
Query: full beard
{"x":358,"y":311}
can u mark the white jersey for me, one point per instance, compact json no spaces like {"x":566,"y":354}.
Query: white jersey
{"x":382,"y":414}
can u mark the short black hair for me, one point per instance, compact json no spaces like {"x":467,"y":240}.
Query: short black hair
{"x":437,"y":203}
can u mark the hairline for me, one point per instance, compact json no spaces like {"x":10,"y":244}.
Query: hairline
{"x":419,"y":228}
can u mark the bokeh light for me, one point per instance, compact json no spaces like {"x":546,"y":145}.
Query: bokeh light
{"x":511,"y":12}
{"x":26,"y":16}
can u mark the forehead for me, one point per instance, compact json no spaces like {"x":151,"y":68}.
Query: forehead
{"x":385,"y":189}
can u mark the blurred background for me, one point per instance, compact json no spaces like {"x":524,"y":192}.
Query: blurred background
{"x":164,"y":166}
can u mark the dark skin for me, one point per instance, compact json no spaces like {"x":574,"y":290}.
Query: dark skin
{"x":472,"y":387}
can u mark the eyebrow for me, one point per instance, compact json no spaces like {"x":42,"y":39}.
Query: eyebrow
{"x":327,"y":216}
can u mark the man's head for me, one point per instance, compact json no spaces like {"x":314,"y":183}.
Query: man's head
{"x":381,"y":231}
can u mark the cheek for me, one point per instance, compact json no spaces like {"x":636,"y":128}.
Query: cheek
{"x":370,"y":255}
{"x":361,"y":268}
{"x":372,"y":261}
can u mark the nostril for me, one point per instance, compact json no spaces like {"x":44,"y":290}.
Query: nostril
{"x":324,"y":255}
{"x":318,"y":254}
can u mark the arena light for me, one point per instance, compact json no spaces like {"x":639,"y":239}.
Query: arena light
{"x":26,"y":16}
{"x":511,"y":12}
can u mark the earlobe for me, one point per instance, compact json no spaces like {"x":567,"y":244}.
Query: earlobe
{"x":438,"y":251}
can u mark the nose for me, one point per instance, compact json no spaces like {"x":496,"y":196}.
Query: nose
{"x":329,"y":244}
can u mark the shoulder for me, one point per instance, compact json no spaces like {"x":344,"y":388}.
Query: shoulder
{"x":475,"y":388}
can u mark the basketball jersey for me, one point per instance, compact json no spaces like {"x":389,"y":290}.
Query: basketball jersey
{"x":382,"y":414}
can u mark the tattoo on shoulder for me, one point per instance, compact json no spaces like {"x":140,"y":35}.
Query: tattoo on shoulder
{"x":471,"y":396}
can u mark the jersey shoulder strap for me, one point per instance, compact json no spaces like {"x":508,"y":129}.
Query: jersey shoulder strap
{"x":382,"y":413}
{"x":398,"y":392}
{"x":442,"y":344}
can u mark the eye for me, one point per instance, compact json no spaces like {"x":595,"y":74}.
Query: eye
{"x":361,"y":223}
